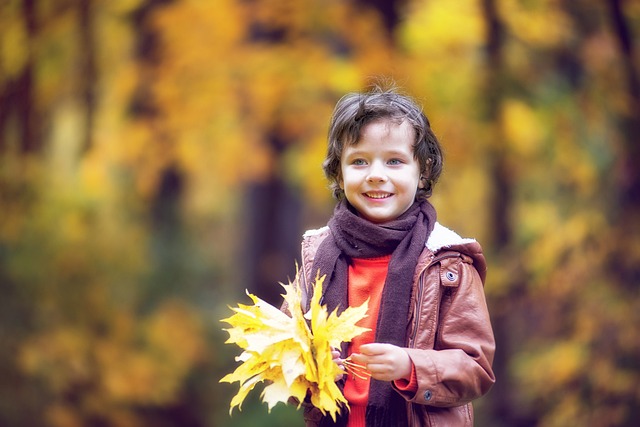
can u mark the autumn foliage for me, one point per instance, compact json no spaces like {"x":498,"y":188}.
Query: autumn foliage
{"x":158,"y":157}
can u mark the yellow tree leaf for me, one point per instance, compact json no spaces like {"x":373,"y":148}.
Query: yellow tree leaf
{"x":277,"y":391}
{"x":343,"y":327}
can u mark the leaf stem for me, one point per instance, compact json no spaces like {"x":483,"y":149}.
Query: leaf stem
{"x":356,"y":369}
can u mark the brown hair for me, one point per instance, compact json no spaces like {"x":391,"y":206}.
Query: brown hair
{"x":355,"y":110}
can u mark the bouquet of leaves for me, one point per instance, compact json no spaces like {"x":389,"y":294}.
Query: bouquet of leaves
{"x":292,"y":353}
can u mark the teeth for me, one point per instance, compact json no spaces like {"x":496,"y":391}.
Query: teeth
{"x":377,"y":196}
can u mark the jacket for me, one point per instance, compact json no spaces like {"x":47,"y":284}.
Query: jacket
{"x":450,"y":339}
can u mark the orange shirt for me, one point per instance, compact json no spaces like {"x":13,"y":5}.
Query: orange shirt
{"x":366,"y":280}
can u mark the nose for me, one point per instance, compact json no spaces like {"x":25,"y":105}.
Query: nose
{"x":376,"y":173}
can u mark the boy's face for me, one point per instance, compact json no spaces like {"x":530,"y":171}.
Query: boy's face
{"x":379,"y":174}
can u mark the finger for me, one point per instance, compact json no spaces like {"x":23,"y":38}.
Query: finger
{"x":359,"y":358}
{"x":373,"y":349}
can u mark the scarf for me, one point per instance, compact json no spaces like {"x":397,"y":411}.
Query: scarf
{"x":355,"y":237}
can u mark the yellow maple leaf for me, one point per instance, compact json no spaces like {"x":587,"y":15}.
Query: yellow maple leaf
{"x":292,"y":353}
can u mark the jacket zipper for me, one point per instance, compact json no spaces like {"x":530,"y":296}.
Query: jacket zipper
{"x":418,"y":312}
{"x":416,"y":309}
{"x":411,"y":414}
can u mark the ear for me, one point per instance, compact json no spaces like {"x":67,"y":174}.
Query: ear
{"x":425,"y":174}
{"x":422,"y":182}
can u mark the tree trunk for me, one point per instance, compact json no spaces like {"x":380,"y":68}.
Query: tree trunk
{"x":389,"y":12}
{"x":273,"y":236}
{"x":17,"y":106}
{"x":629,"y":177}
{"x":89,"y":69}
{"x":500,"y":400}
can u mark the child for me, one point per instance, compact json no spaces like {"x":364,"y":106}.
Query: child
{"x":431,"y":345}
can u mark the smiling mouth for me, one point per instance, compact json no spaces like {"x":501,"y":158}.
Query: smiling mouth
{"x":378,"y":195}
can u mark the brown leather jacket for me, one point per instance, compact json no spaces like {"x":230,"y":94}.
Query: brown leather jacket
{"x":450,"y":340}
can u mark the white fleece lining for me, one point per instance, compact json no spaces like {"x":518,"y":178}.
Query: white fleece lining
{"x":315,"y":232}
{"x":442,"y":237}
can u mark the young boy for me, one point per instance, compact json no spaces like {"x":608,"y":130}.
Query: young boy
{"x":431,"y":345}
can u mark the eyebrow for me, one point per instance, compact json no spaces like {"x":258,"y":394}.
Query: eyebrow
{"x":356,"y":152}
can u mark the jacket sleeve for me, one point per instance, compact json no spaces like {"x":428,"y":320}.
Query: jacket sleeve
{"x":454,"y":367}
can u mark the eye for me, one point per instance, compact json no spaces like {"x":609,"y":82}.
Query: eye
{"x":394,"y":162}
{"x":358,"y":162}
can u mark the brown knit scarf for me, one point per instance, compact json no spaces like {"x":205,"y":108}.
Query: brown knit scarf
{"x":354,"y":237}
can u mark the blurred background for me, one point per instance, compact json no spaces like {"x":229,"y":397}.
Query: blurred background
{"x":159,"y":157}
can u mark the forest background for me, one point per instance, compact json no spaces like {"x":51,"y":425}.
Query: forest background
{"x":159,"y":157}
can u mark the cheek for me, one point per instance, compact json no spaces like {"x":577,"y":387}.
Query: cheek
{"x":340,"y":178}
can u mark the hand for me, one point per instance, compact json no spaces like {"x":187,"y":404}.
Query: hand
{"x":385,"y":362}
{"x":335,"y":354}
